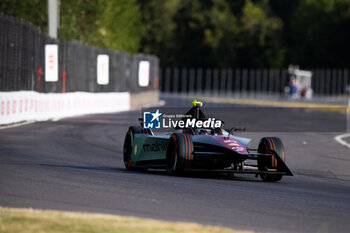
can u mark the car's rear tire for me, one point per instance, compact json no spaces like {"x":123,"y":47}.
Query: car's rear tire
{"x":267,"y":145}
{"x":129,"y":145}
{"x":179,"y":153}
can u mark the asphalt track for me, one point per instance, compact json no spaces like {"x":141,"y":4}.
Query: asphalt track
{"x":76,"y":164}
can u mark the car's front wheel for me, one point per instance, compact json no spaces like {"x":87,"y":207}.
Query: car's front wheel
{"x":127,"y":149}
{"x":179,"y":153}
{"x":129,"y":145}
{"x":268,"y":145}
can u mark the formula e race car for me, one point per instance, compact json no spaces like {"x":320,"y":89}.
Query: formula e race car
{"x":194,"y":148}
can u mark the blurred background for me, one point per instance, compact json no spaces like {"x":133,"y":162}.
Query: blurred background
{"x":208,"y":33}
{"x":235,"y":48}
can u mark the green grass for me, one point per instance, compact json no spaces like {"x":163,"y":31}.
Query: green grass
{"x":38,"y":221}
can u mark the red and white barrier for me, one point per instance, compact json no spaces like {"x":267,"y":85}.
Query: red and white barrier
{"x":33,"y":106}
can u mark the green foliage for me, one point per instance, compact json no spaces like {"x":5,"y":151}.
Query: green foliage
{"x":121,"y":25}
{"x":321,"y":33}
{"x":34,"y":11}
{"x":221,"y":35}
{"x":159,"y":26}
{"x":206,"y":33}
{"x":187,"y":38}
{"x":260,"y":36}
{"x":190,"y":32}
{"x":112,"y":24}
{"x":80,"y":20}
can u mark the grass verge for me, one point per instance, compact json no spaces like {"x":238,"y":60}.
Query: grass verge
{"x":37,"y":221}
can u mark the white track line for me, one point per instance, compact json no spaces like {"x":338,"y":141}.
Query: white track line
{"x":339,"y":139}
{"x":16,"y":125}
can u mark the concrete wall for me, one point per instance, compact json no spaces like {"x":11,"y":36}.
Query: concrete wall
{"x":22,"y":106}
{"x":142,"y":99}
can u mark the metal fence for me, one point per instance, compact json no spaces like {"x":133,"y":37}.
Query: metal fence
{"x":22,"y":63}
{"x":250,"y":82}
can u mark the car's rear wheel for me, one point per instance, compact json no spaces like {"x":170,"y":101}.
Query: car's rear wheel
{"x":268,"y":145}
{"x":129,"y":145}
{"x":179,"y":153}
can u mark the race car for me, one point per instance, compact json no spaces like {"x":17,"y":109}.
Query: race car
{"x":203,"y":149}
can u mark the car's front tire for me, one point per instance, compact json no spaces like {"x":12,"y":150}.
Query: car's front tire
{"x":129,"y":145}
{"x":179,"y":153}
{"x":268,"y":145}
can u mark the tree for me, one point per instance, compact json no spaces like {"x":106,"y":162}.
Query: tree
{"x":260,"y":37}
{"x":190,"y":33}
{"x":284,"y":10}
{"x":112,"y":24}
{"x":80,"y":20}
{"x":34,"y":11}
{"x":121,"y":25}
{"x":221,"y":34}
{"x":321,"y":33}
{"x":158,"y":20}
{"x":206,"y":33}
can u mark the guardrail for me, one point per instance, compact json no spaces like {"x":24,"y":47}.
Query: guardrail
{"x":22,"y":63}
{"x":250,"y":83}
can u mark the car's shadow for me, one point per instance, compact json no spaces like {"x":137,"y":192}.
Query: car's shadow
{"x":207,"y":175}
{"x":157,"y":172}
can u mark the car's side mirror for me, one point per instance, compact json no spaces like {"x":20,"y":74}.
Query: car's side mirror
{"x":236,"y":128}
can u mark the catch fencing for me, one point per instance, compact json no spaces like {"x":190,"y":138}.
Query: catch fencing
{"x":250,"y":83}
{"x":22,"y":63}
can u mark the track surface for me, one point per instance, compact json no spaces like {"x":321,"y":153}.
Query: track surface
{"x":76,"y":164}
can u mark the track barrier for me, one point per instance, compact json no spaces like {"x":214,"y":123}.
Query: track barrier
{"x":33,"y":106}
